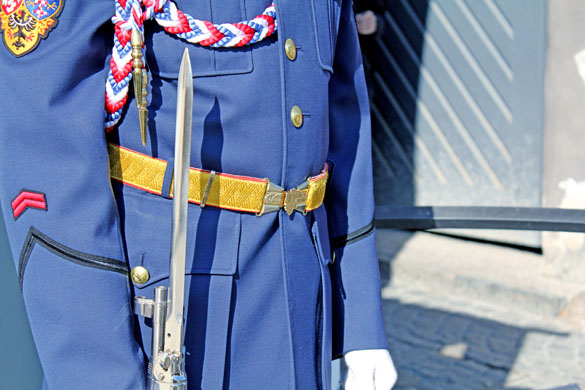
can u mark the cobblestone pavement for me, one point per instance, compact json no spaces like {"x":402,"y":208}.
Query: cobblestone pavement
{"x":453,"y":343}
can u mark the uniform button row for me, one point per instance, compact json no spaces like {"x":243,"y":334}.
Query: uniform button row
{"x":296,"y":115}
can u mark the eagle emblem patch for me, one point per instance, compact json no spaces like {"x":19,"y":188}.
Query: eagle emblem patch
{"x":25,"y":22}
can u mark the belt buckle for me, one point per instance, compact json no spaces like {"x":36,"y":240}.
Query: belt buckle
{"x":276,"y":198}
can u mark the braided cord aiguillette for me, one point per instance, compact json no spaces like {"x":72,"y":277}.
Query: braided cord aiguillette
{"x":131,"y":14}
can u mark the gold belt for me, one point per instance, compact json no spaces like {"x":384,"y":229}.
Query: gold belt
{"x":208,"y":188}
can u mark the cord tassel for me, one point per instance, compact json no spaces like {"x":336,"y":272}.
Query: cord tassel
{"x":128,"y":52}
{"x":140,"y":82}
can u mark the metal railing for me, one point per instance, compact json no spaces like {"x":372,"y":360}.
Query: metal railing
{"x":480,"y":217}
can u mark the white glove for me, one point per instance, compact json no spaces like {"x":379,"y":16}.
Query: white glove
{"x":369,"y":369}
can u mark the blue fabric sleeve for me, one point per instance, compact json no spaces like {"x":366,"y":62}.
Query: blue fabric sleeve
{"x":357,"y":309}
{"x":69,"y":254}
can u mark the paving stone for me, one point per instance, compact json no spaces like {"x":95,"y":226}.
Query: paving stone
{"x":454,"y":351}
{"x":457,"y":321}
{"x":506,"y":351}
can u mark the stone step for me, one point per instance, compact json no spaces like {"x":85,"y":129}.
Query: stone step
{"x":482,"y":273}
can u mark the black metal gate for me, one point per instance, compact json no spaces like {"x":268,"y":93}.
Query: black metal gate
{"x":457,"y":104}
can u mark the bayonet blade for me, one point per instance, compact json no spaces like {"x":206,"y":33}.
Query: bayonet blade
{"x":174,"y":321}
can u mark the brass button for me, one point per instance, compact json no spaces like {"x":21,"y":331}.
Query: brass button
{"x":291,"y":49}
{"x":139,"y":275}
{"x":296,"y":116}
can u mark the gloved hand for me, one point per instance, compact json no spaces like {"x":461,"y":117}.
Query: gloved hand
{"x":369,"y":369}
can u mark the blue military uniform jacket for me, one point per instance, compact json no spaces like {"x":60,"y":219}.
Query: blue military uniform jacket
{"x":267,"y":303}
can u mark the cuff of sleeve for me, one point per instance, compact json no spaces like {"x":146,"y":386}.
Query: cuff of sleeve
{"x":358,"y":321}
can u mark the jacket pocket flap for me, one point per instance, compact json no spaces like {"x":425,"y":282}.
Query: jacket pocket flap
{"x":212,"y":236}
{"x":164,"y":51}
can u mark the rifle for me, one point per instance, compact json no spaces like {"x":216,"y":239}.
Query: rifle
{"x":166,"y":368}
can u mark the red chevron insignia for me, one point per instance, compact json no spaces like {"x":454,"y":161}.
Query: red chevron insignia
{"x":27,"y":199}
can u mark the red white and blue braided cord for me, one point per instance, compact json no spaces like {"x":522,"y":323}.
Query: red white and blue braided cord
{"x":132,"y":14}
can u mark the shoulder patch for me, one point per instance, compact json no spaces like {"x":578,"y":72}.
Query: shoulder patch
{"x":25,"y":22}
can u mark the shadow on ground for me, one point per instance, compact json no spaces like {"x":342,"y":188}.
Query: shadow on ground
{"x":436,"y":349}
